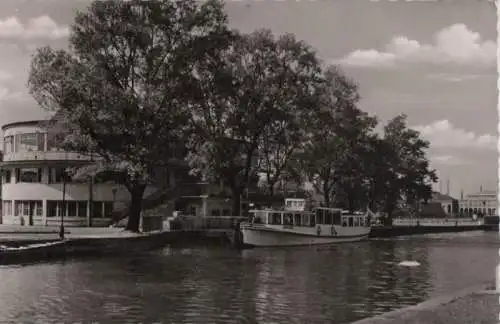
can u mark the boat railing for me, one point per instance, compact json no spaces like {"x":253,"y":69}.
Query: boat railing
{"x":435,"y":221}
{"x":205,"y":223}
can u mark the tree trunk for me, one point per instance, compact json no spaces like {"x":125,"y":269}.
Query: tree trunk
{"x":270,"y":188}
{"x":326,"y":194}
{"x":236,"y":202}
{"x":134,"y":217}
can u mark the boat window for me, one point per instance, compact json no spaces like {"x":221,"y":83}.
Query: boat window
{"x":288,"y":219}
{"x":275,"y":219}
{"x":336,"y":215}
{"x":351,"y":221}
{"x":289,"y":203}
{"x":297,"y":221}
{"x":319,"y":216}
{"x":328,"y":217}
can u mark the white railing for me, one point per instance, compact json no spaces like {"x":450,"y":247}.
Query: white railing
{"x":435,"y":222}
{"x":50,"y":155}
{"x":203,"y":223}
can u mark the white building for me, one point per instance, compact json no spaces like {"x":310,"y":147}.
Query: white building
{"x":32,"y":186}
{"x":482,"y":203}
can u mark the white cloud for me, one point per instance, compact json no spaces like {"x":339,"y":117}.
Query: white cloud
{"x":453,"y":44}
{"x":7,"y":95}
{"x":42,"y":27}
{"x":453,"y":77}
{"x":442,"y":134}
{"x":4,"y":76}
{"x":446,"y":160}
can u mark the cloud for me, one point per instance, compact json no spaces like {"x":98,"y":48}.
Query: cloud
{"x":42,"y":27}
{"x":453,"y":77}
{"x":442,"y":134}
{"x":455,"y":44}
{"x":7,"y":95}
{"x":4,"y":76}
{"x":446,"y":160}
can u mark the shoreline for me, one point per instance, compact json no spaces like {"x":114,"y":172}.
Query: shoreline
{"x":473,"y":303}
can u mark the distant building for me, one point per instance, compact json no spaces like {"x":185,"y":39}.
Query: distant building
{"x":482,"y":203}
{"x":447,"y":202}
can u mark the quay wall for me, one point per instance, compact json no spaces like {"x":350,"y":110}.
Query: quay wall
{"x":394,"y":231}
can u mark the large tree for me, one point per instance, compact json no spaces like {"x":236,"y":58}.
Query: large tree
{"x":121,"y":88}
{"x":263,"y":87}
{"x":408,"y":176}
{"x":332,"y":148}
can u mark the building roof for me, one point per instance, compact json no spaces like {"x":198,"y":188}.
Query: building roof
{"x":437,"y":196}
{"x":23,"y":123}
{"x":483,"y":193}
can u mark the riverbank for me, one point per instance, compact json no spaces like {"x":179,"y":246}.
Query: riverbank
{"x":473,"y":305}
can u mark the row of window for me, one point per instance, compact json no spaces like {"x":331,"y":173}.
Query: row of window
{"x":56,"y":208}
{"x":323,"y":217}
{"x":484,"y":211}
{"x":28,"y":142}
{"x":34,"y":175}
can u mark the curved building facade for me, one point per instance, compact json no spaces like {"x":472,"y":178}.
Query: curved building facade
{"x":34,"y":177}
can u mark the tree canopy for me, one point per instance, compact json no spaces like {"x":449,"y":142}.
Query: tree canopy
{"x":119,"y":90}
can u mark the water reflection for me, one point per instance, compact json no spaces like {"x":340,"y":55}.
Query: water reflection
{"x":334,"y":285}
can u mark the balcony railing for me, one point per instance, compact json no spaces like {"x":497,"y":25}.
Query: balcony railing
{"x":50,"y":155}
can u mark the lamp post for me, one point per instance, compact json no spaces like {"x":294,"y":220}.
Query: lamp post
{"x":61,"y":230}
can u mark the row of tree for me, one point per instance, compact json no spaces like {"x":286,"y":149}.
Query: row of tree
{"x":140,"y":77}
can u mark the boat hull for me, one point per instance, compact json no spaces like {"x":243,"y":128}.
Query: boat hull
{"x":269,"y":237}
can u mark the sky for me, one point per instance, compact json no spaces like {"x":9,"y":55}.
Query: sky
{"x":434,"y":61}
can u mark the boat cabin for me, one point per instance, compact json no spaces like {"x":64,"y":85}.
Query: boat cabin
{"x":320,"y":216}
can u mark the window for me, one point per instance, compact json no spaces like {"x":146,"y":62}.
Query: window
{"x":71,"y":208}
{"x":56,"y":175}
{"x":356,"y":221}
{"x":351,"y":222}
{"x":297,"y":219}
{"x":305,"y":220}
{"x":215,"y":212}
{"x":97,"y":209}
{"x":7,"y":208}
{"x":52,"y":143}
{"x":82,"y":209}
{"x":336,"y":215}
{"x":7,"y":175}
{"x":108,"y":209}
{"x":226,"y":212}
{"x":30,"y":175}
{"x":328,"y":217}
{"x":51,"y":208}
{"x":8,"y":144}
{"x":28,"y":142}
{"x":288,"y":219}
{"x":276,"y":218}
{"x":28,"y":208}
{"x":319,"y":216}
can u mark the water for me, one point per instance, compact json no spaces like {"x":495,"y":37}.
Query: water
{"x":207,"y":285}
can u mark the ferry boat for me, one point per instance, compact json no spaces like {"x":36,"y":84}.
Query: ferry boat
{"x":294,"y":226}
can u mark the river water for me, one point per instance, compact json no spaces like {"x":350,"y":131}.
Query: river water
{"x":218,"y":285}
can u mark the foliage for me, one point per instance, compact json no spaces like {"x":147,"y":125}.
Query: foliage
{"x":119,"y":91}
